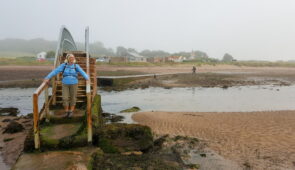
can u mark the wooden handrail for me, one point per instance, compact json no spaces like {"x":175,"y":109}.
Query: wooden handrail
{"x":36,"y":115}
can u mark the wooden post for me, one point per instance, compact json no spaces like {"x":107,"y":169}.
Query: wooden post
{"x":89,"y":117}
{"x":36,"y":121}
{"x":53,"y":91}
{"x":88,"y":88}
{"x":46,"y":104}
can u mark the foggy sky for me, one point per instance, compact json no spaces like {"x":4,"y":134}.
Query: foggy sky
{"x":246,"y":29}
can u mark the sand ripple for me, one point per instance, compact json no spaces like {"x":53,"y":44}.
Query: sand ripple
{"x":261,"y":140}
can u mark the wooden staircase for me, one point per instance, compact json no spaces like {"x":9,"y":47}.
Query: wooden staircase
{"x":45,"y":134}
{"x":81,"y":94}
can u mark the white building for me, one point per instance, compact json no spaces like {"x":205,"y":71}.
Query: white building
{"x":41,"y":56}
{"x":135,"y":57}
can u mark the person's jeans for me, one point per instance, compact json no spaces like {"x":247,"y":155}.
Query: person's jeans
{"x":69,"y":94}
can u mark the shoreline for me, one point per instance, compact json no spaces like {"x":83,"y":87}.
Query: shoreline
{"x":206,"y":76}
{"x":259,"y":140}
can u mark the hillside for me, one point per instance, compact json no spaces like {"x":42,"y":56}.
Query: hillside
{"x":21,"y":47}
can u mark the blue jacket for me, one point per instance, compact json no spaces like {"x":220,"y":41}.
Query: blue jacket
{"x":70,"y":74}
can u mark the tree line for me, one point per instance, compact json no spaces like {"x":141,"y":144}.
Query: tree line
{"x":97,"y":49}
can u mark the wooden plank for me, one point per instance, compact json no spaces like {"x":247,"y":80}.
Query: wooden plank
{"x":83,"y":95}
{"x":40,"y":88}
{"x":36,"y":121}
{"x":78,"y":101}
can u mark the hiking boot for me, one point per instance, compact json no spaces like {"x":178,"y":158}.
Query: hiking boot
{"x":70,"y":114}
{"x":66,"y":114}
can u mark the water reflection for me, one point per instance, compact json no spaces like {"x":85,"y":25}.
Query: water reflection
{"x":19,"y":98}
{"x":248,"y":98}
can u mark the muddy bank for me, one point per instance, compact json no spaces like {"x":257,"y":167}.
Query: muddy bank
{"x":22,"y":76}
{"x":222,"y":80}
{"x":207,"y":76}
{"x":13,"y":131}
{"x":8,"y":73}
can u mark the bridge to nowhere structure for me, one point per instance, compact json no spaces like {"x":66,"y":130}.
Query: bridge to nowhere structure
{"x":50,"y":124}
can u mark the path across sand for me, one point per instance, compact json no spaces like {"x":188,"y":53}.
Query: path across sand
{"x":261,"y":140}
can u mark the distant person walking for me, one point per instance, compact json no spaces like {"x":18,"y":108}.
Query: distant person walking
{"x":194,"y":69}
{"x":70,"y":72}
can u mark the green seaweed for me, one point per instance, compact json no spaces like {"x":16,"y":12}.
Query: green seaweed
{"x":132,"y":109}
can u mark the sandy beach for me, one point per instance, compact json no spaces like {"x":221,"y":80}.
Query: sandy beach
{"x":257,"y":140}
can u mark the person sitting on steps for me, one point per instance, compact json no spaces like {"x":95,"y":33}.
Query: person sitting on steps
{"x":70,"y":72}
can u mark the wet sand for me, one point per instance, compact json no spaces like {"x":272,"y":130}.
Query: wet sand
{"x":258,"y":140}
{"x":11,"y":145}
{"x":36,"y":72}
{"x":207,"y":76}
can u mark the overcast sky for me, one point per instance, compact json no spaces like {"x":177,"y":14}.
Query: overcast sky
{"x":246,"y":29}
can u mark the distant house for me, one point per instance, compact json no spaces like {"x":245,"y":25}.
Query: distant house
{"x":175,"y":58}
{"x":156,"y":59}
{"x":135,"y":57}
{"x":103,"y":59}
{"x":41,"y":56}
{"x":117,"y":59}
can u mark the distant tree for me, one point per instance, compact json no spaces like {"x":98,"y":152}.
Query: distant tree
{"x":98,"y":49}
{"x":227,"y":58}
{"x":121,"y":51}
{"x":201,"y":54}
{"x":157,"y":53}
{"x":182,"y":53}
{"x":131,"y":50}
{"x":50,"y":54}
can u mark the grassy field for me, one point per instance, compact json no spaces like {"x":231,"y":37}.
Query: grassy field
{"x":236,"y":63}
{"x":11,"y":54}
{"x":30,"y":61}
{"x":263,"y":63}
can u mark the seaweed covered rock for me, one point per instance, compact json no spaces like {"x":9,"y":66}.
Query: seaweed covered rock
{"x":112,"y":118}
{"x":96,"y":111}
{"x":145,"y":161}
{"x":132,"y":109}
{"x":11,"y":111}
{"x":120,"y":137}
{"x":29,"y":145}
{"x":13,"y":127}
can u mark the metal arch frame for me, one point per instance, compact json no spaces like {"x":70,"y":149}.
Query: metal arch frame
{"x":65,"y":37}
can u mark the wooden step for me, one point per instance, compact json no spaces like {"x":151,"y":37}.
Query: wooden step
{"x":80,"y":60}
{"x":77,"y":96}
{"x":78,"y":90}
{"x":76,"y":54}
{"x":82,"y":78}
{"x":78,"y":101}
{"x":81,"y":82}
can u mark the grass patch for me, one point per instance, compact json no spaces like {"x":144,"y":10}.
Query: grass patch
{"x":132,"y":109}
{"x":30,"y":61}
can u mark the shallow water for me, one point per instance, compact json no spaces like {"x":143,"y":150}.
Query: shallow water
{"x":197,"y":99}
{"x":19,"y":98}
